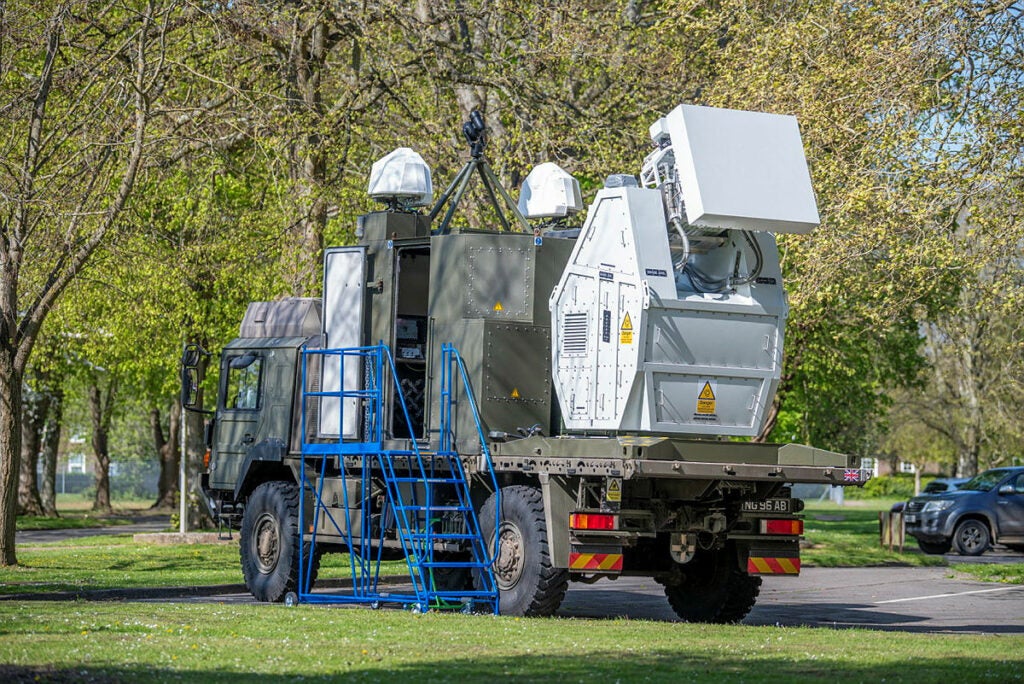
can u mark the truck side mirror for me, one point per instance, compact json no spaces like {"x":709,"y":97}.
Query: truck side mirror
{"x":189,"y":386}
{"x":1007,"y":489}
{"x":191,"y":356}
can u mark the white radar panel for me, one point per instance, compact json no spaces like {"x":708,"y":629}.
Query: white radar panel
{"x":741,"y":170}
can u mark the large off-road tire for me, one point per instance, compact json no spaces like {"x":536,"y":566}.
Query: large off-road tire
{"x":935,"y":548}
{"x":971,"y":538}
{"x":269,"y":543}
{"x":528,"y":584}
{"x":713,"y":589}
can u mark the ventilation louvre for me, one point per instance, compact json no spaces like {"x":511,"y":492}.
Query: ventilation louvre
{"x":574,"y":334}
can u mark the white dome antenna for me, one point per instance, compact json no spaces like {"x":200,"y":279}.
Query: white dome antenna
{"x":401,"y":179}
{"x":549,"y":193}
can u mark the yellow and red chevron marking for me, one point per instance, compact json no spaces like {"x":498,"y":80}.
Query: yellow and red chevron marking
{"x":604,"y":562}
{"x":759,"y":565}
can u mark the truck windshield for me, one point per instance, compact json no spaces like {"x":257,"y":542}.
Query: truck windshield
{"x":983,"y":482}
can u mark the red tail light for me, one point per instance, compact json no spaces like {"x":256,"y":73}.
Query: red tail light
{"x":592,"y":521}
{"x":791,"y":527}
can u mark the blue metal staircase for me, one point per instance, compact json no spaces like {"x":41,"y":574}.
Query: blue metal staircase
{"x":426,"y":494}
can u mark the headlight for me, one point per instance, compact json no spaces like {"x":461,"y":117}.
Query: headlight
{"x":940,"y":505}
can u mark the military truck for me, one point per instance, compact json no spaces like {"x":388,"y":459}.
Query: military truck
{"x":510,"y":410}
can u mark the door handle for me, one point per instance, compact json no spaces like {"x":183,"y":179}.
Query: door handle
{"x":248,"y":439}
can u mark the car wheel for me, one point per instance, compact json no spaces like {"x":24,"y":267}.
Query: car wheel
{"x":971,"y":538}
{"x":935,"y":548}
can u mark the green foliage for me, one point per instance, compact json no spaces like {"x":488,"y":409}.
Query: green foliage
{"x":270,"y":116}
{"x":899,"y":486}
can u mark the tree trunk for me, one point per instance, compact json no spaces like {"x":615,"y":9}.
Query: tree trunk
{"x":79,"y":222}
{"x":302,"y":255}
{"x":50,"y":449}
{"x":35,"y":406}
{"x":100,"y":410}
{"x":169,"y":455}
{"x":10,"y":452}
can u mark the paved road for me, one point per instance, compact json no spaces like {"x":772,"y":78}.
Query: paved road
{"x":140,"y":523}
{"x":899,"y":598}
{"x":904,"y":599}
{"x":893,"y":598}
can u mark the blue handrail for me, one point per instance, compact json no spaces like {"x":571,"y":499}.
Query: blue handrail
{"x":414,"y":519}
{"x":450,"y":355}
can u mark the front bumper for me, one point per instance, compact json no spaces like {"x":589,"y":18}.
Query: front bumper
{"x":929,"y":525}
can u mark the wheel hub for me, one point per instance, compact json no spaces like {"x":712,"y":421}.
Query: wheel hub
{"x":267,"y":543}
{"x":970,"y":537}
{"x":508,"y":566}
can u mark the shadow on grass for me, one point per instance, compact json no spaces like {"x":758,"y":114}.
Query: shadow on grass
{"x":589,"y":667}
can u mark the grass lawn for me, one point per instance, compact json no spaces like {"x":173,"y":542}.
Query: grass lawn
{"x":117,"y":562}
{"x":140,"y":642}
{"x":847,"y":536}
{"x":837,"y":536}
{"x":76,"y":512}
{"x":134,"y":642}
{"x":1007,"y":573}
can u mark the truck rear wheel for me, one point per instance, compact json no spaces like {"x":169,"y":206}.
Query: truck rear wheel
{"x":527,"y":581}
{"x":269,"y":542}
{"x":713,"y":589}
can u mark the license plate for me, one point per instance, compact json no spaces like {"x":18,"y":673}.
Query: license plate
{"x":910,"y":518}
{"x":768,"y":506}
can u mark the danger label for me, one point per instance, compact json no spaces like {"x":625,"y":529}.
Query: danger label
{"x":515,"y":393}
{"x":614,"y":492}
{"x":706,"y":401}
{"x":498,"y":306}
{"x":626,"y":330}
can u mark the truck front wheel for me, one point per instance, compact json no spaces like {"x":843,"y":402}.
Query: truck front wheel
{"x":527,"y":582}
{"x":713,"y":589}
{"x":269,"y":544}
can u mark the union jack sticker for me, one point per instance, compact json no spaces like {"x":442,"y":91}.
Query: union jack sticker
{"x":851,"y":475}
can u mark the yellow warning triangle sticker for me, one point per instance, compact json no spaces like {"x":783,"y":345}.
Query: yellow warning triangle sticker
{"x":498,"y":306}
{"x":707,"y":392}
{"x":627,"y":324}
{"x":515,"y":392}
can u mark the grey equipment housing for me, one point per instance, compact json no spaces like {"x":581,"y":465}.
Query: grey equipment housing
{"x":669,"y":317}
